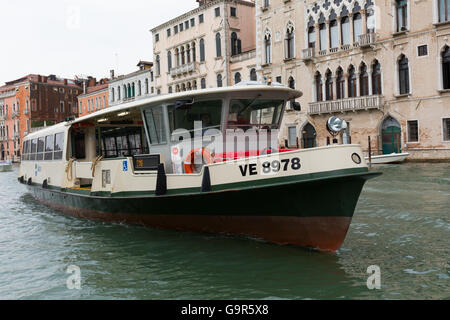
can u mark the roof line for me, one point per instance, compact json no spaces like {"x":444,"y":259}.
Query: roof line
{"x":199,"y":9}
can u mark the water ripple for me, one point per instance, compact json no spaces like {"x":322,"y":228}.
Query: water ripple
{"x":401,"y":224}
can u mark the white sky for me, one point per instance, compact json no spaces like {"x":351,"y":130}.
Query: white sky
{"x":82,"y":37}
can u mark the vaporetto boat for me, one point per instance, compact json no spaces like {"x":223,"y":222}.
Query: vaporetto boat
{"x":168,"y":162}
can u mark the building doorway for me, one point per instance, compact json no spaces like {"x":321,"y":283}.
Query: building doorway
{"x":2,"y":152}
{"x":391,"y":136}
{"x":309,"y":136}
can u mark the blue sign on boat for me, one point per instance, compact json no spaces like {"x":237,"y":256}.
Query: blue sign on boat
{"x":125,"y":166}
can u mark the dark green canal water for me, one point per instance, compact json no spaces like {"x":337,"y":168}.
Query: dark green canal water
{"x":401,"y":224}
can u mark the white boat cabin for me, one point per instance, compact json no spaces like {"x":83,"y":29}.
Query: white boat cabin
{"x":121,"y":148}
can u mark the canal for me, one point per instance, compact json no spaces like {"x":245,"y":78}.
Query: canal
{"x":401,"y":225}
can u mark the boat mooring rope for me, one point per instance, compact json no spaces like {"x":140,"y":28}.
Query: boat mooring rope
{"x":94,"y":163}
{"x":69,"y":169}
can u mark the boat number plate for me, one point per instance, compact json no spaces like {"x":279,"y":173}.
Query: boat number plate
{"x":271,"y":167}
{"x":125,"y":166}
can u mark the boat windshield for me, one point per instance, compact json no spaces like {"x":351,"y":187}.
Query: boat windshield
{"x":254,"y":114}
{"x":183,"y":117}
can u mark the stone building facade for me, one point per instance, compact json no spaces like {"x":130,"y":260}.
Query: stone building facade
{"x":210,"y":46}
{"x":383,"y":66}
{"x":133,"y":86}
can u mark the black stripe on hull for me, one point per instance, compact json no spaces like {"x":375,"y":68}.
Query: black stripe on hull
{"x":312,"y":214}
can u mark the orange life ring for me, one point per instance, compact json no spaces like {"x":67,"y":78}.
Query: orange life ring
{"x":189,"y":165}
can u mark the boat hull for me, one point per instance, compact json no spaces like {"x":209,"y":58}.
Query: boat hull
{"x":314,"y":213}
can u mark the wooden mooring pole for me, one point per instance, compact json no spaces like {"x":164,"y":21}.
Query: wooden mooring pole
{"x":370,"y":154}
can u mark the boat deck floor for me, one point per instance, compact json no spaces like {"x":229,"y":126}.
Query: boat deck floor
{"x":81,"y":188}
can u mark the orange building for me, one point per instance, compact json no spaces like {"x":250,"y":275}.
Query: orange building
{"x":30,"y":103}
{"x":8,"y":123}
{"x":95,"y":96}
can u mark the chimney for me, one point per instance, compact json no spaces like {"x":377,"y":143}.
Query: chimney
{"x":111,"y":74}
{"x":65,"y":82}
{"x":84,"y":87}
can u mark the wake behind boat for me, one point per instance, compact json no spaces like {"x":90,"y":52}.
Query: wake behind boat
{"x":169,"y":162}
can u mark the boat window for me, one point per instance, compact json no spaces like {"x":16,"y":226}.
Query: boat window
{"x":154,"y":119}
{"x":110,"y":147}
{"x":40,"y":149}
{"x":26,"y":151}
{"x":255,"y":114}
{"x":135,"y":144}
{"x":33,"y":149}
{"x":184,"y":117}
{"x":122,"y":142}
{"x":49,"y":147}
{"x":59,"y":146}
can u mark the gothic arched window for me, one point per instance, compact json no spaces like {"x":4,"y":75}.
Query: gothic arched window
{"x":403,"y":74}
{"x":376,"y":78}
{"x":289,"y":42}
{"x":218,"y":45}
{"x":363,"y":81}
{"x":268,"y":47}
{"x":169,"y":60}
{"x":329,"y":86}
{"x":202,"y":50}
{"x":446,"y":67}
{"x":319,"y":86}
{"x":352,"y":82}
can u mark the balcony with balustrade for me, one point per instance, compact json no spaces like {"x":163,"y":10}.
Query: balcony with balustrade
{"x":308,"y":54}
{"x":366,"y":40}
{"x":244,"y":56}
{"x":346,"y":105}
{"x":184,"y":69}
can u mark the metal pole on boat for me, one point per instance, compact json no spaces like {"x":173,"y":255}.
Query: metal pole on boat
{"x":370,"y":154}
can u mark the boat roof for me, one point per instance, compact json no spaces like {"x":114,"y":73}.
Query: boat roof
{"x":244,"y":87}
{"x":57,"y":128}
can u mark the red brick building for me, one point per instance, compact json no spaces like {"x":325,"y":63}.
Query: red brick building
{"x":32,"y":102}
